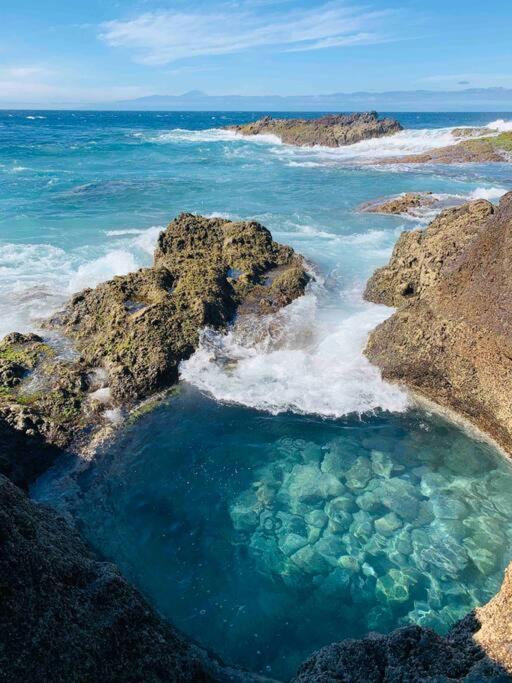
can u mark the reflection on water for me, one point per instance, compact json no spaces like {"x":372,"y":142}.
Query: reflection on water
{"x":267,"y":537}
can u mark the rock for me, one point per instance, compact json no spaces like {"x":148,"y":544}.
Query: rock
{"x":382,"y":465}
{"x":406,"y":203}
{"x":310,"y":561}
{"x":388,"y":524}
{"x":316,"y":518}
{"x":362,"y":525}
{"x":481,"y":150}
{"x":308,"y":484}
{"x":336,"y":511}
{"x":359,"y":474}
{"x":420,"y":257}
{"x":450,"y":341}
{"x":399,"y":496}
{"x":330,"y":547}
{"x":392,"y":588}
{"x":349,"y":563}
{"x":187,"y":288}
{"x":290,"y":543}
{"x":333,"y":130}
{"x":67,"y":616}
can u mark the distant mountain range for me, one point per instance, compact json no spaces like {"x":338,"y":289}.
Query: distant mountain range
{"x":471,"y":99}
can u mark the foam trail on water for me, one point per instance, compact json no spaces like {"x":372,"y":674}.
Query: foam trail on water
{"x":296,"y":360}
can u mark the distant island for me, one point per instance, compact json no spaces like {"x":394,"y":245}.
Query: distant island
{"x":467,"y":100}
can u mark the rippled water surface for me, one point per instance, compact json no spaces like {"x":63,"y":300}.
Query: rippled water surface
{"x":288,"y":497}
{"x":267,"y":537}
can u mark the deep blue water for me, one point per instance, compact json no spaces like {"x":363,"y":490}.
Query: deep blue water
{"x":288,"y":497}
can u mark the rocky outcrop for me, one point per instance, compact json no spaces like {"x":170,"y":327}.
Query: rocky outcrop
{"x":419,"y":655}
{"x":420,"y":257}
{"x":140,"y":326}
{"x":129,"y":334}
{"x":67,"y":616}
{"x":334,"y":130}
{"x":451,"y":337}
{"x":475,"y":151}
{"x":406,"y":203}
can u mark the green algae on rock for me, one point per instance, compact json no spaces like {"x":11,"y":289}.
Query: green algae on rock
{"x":140,"y":326}
{"x":333,"y":130}
{"x":497,"y":148}
{"x":131,"y":333}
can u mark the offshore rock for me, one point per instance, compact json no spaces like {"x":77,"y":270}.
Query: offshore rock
{"x":67,"y":616}
{"x":406,"y":203}
{"x":333,"y":130}
{"x":451,"y":338}
{"x":131,"y":333}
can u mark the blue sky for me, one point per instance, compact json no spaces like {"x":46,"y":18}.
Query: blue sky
{"x":55,"y":51}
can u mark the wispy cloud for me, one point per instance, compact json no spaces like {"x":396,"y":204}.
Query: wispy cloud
{"x":162,"y":37}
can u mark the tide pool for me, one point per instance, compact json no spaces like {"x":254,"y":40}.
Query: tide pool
{"x":288,"y":497}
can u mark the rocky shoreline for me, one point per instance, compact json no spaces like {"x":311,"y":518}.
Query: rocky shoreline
{"x":333,"y":130}
{"x":479,"y":150}
{"x":69,"y":616}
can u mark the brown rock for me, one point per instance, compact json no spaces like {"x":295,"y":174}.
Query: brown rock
{"x":334,"y":130}
{"x":407,"y":203}
{"x":451,"y":340}
{"x":421,"y":256}
{"x":477,"y":151}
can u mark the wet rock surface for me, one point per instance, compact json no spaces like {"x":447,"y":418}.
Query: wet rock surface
{"x":333,"y":130}
{"x":421,"y":257}
{"x":67,"y":616}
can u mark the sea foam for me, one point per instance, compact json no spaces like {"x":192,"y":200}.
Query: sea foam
{"x":297,"y":360}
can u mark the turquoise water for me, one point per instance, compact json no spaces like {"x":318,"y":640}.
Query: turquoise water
{"x":288,"y":497}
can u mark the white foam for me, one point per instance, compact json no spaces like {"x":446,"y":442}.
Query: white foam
{"x":116,"y":262}
{"x":36,"y":279}
{"x":208,"y":135}
{"x":488,"y":193}
{"x":500,"y":125}
{"x":297,"y":360}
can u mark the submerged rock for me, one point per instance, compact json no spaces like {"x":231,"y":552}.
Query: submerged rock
{"x":333,"y":130}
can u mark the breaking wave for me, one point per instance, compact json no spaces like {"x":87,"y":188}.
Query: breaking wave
{"x":296,"y":360}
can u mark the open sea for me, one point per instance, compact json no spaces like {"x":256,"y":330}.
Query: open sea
{"x":286,"y":497}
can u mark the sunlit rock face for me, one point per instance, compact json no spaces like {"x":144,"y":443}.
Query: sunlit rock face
{"x":407,"y":537}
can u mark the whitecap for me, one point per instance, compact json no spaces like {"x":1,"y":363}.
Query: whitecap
{"x":500,"y":125}
{"x":298,"y":360}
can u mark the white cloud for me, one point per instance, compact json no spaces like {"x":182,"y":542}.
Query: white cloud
{"x":162,"y":37}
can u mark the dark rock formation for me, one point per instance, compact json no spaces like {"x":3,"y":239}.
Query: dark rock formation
{"x":334,"y":130}
{"x":477,"y":151}
{"x":415,"y":655}
{"x":451,"y":338}
{"x":407,"y":203}
{"x":66,"y":616}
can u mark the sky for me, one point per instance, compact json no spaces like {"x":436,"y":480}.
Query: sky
{"x":61,"y":51}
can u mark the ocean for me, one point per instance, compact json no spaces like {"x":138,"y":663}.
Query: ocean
{"x":177,"y":500}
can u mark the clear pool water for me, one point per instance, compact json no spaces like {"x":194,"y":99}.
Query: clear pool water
{"x":288,"y":497}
